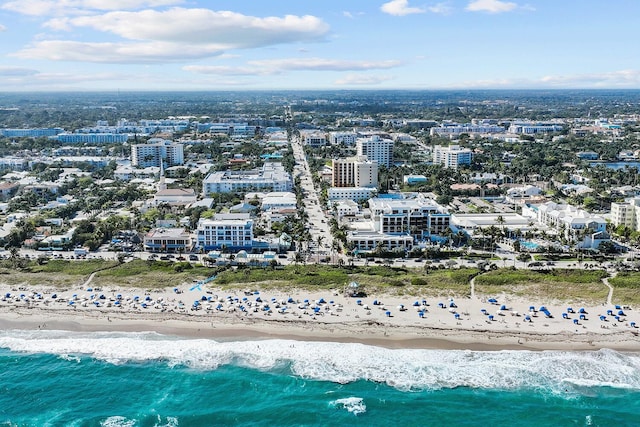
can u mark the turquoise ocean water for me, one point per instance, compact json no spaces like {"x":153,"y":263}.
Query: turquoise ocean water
{"x":54,"y":378}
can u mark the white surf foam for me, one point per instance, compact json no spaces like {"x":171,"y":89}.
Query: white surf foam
{"x":343,"y":363}
{"x":355,"y":405}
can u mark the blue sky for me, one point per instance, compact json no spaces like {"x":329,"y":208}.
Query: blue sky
{"x":318,"y":44}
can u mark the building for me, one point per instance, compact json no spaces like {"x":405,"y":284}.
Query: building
{"x":357,"y":194}
{"x":376,"y":148}
{"x":343,"y":138}
{"x":175,"y":196}
{"x":173,"y":240}
{"x":354,"y":172}
{"x":226,"y":231}
{"x":420,"y":217}
{"x":578,"y":226}
{"x":279,"y":200}
{"x":451,"y":156}
{"x":315,"y":139}
{"x":369,"y":241}
{"x":156,"y":152}
{"x":455,"y":130}
{"x":627,"y":213}
{"x":30,"y":133}
{"x":91,"y":138}
{"x":271,"y":177}
{"x":532,"y":128}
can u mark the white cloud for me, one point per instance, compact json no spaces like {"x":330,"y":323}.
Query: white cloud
{"x":7,"y":71}
{"x":623,"y":79}
{"x":74,"y":7}
{"x":322,"y":64}
{"x":223,"y":70}
{"x":362,"y":80}
{"x":279,"y":66}
{"x":2,"y":28}
{"x":400,"y":8}
{"x":173,"y":35}
{"x":149,"y":52}
{"x":204,"y":26}
{"x":441,"y":8}
{"x":491,"y":6}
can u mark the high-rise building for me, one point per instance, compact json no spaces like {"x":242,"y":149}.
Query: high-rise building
{"x":376,"y":148}
{"x":451,"y":156}
{"x":157,"y":152}
{"x":355,"y":172}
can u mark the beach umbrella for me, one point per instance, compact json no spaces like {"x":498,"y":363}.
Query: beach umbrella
{"x":582,"y":311}
{"x":618,"y":307}
{"x":632,"y":324}
{"x":583,"y":317}
{"x":621,"y":313}
{"x":618,"y":318}
{"x":388,"y":313}
{"x":492,"y":300}
{"x":532,"y":308}
{"x":569,"y":310}
{"x":71,"y":303}
{"x":609,"y":312}
{"x":503,"y":307}
{"x":258,"y":299}
{"x":491,"y":317}
{"x":457,"y":316}
{"x":542,"y":308}
{"x":527,"y":318}
{"x":603,"y":318}
{"x":441,"y":304}
{"x":484,"y":311}
{"x":565,"y":316}
{"x":290,"y":300}
{"x":321,"y":301}
{"x":375,"y":302}
{"x":416,"y":304}
{"x":316,"y":309}
{"x":359,"y":302}
{"x":424,"y":302}
{"x":421,"y":314}
{"x":54,"y":296}
{"x":575,"y":322}
{"x":144,"y":305}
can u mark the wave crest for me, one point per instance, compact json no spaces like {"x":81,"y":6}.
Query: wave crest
{"x":344,"y":362}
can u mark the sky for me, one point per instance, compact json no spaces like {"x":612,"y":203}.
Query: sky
{"x":85,"y":45}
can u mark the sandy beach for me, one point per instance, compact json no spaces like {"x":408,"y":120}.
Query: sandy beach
{"x":382,"y":320}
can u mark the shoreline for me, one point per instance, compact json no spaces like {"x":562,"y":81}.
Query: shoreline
{"x":312,"y":317}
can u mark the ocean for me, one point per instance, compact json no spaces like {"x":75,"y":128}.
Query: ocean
{"x":56,"y":378}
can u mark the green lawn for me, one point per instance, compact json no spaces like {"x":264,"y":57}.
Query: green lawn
{"x":626,"y":288}
{"x":569,"y":285}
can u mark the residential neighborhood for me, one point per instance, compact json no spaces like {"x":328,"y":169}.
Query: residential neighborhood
{"x":310,"y":188}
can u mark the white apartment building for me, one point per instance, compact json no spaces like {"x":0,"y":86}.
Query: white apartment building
{"x":531,"y":128}
{"x":627,"y":213}
{"x":419,"y":217}
{"x":354,"y":172}
{"x":156,"y":152}
{"x":586,"y":229}
{"x":271,"y":177}
{"x":231,"y":231}
{"x":451,"y":156}
{"x":168,"y":240}
{"x":357,"y":194}
{"x":376,"y":148}
{"x":344,"y":138}
{"x":315,"y":139}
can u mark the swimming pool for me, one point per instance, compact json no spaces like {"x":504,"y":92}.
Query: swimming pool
{"x":529,"y":245}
